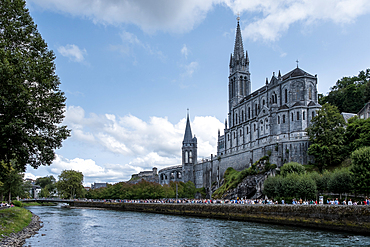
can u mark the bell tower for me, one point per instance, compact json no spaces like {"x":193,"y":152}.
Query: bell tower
{"x":189,"y":153}
{"x":239,"y":78}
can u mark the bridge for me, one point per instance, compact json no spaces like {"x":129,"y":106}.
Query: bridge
{"x":56,"y":200}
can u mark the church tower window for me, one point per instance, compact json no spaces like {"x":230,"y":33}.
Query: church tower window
{"x":186,"y":157}
{"x":286,"y":95}
{"x":304,"y":115}
{"x":292,"y":116}
{"x":190,"y":157}
{"x":297,"y":115}
{"x":284,"y":118}
{"x":278,"y":119}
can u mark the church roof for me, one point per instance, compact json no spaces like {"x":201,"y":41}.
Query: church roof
{"x":283,"y":107}
{"x":297,"y":72}
{"x":188,"y":135}
{"x":312,"y":103}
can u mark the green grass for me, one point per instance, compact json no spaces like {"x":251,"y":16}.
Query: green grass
{"x":13,"y":220}
{"x":26,"y":204}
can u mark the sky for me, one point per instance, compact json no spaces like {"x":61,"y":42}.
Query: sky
{"x":130,"y":69}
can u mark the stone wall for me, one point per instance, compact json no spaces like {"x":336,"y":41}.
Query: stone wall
{"x":354,"y":219}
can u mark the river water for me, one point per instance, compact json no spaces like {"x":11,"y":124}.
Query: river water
{"x":92,"y":227}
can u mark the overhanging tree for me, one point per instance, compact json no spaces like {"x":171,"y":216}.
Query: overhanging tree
{"x":31,"y":104}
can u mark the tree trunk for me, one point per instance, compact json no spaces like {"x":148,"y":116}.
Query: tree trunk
{"x":10,"y":197}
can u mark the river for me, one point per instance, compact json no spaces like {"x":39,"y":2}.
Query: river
{"x":92,"y":227}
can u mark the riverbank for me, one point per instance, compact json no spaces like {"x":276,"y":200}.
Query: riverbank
{"x":17,"y":224}
{"x":355,"y":219}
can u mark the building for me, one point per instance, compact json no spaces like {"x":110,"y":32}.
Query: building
{"x":98,"y":185}
{"x":144,"y":174}
{"x":269,"y":121}
{"x":364,"y":113}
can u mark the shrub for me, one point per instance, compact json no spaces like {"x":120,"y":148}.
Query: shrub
{"x":17,"y":203}
{"x":292,"y":167}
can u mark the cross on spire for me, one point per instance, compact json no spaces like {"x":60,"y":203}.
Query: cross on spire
{"x":238,"y":18}
{"x":297,"y":62}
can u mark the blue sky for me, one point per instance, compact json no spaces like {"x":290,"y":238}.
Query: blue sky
{"x":131,"y":68}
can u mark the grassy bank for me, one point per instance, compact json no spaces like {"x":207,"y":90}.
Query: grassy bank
{"x":13,"y":220}
{"x":27,"y":204}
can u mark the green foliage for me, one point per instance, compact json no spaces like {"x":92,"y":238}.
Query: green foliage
{"x":306,"y":187}
{"x":326,"y":135}
{"x":70,"y":184}
{"x":340,"y":181}
{"x":292,"y":167}
{"x":17,"y":203}
{"x":48,"y":185}
{"x":13,"y":220}
{"x":357,"y":133}
{"x":32,"y":105}
{"x":232,"y":177}
{"x":361,"y":169}
{"x":144,"y":190}
{"x":350,"y":93}
{"x":272,"y":186}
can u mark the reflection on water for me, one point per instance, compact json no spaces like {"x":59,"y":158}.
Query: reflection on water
{"x":89,"y":227}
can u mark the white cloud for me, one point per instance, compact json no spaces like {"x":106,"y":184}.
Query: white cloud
{"x":185,"y":51}
{"x":278,"y":15}
{"x":131,"y":136}
{"x":271,"y":17}
{"x":176,"y":16}
{"x":189,"y":69}
{"x":142,"y":144}
{"x":73,"y":52}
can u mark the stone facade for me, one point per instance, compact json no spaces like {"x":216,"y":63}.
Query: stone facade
{"x":270,"y":121}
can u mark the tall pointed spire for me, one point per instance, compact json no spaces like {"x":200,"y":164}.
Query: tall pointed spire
{"x":238,"y":48}
{"x":188,"y":135}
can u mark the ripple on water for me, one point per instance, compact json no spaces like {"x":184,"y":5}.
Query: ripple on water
{"x":84,"y":227}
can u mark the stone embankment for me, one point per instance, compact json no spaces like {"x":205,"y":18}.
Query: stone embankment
{"x":18,"y":239}
{"x":355,"y":219}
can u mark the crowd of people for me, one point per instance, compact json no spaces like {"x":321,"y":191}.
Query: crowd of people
{"x":239,"y":201}
{"x":6,"y":205}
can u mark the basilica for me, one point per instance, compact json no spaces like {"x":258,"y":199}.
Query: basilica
{"x":269,"y":121}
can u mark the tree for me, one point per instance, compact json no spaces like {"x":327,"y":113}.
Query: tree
{"x":292,"y":167}
{"x":70,"y":184}
{"x":31,"y":104}
{"x":357,"y":133}
{"x":306,"y":187}
{"x":341,"y":181}
{"x":349,"y":93}
{"x":47,"y":184}
{"x":360,"y":169}
{"x":326,"y":134}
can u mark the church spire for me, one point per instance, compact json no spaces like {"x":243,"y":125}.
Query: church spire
{"x":188,"y":135}
{"x":238,"y":47}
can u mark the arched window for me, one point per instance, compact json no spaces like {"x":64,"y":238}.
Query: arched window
{"x":234,"y":135}
{"x":297,"y":115}
{"x":241,"y":86}
{"x":313,"y":114}
{"x":247,"y":130}
{"x":284,"y":118}
{"x":278,"y":119}
{"x":255,"y":107}
{"x":249,"y":112}
{"x":286,"y":95}
{"x":310,"y":93}
{"x":292,"y":116}
{"x":240,"y":132}
{"x":186,"y":157}
{"x":304,"y":115}
{"x":254,"y":127}
{"x":242,"y":116}
{"x":228,"y":137}
{"x":190,"y":157}
{"x":263,"y":102}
